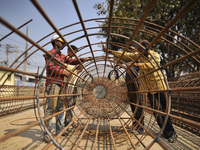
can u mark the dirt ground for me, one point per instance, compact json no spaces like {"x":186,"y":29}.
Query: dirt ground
{"x":32,"y":139}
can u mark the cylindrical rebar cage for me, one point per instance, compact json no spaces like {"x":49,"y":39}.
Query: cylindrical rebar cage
{"x":110,"y":101}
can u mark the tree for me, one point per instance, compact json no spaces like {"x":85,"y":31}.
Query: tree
{"x":161,"y":14}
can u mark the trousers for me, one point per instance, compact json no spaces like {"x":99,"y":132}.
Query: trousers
{"x":70,"y":101}
{"x":133,"y":97}
{"x":54,"y":104}
{"x":157,"y":101}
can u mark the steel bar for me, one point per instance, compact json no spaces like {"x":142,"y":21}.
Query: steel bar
{"x":172,"y":62}
{"x":154,"y":34}
{"x":147,"y":11}
{"x":194,"y":123}
{"x":37,"y":5}
{"x":96,"y":135}
{"x":9,"y":135}
{"x":109,"y":112}
{"x":109,"y":30}
{"x":64,"y":129}
{"x":31,"y":41}
{"x":84,"y":29}
{"x":111,"y":134}
{"x":161,"y":27}
{"x":173,"y":21}
{"x":147,"y":131}
{"x":130,"y":140}
{"x":33,"y":97}
{"x":82,"y":134}
{"x":17,"y":28}
{"x":31,"y":74}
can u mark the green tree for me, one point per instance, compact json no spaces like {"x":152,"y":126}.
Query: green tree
{"x":161,"y":14}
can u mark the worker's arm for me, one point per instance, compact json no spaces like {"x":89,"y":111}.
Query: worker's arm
{"x":126,"y":57}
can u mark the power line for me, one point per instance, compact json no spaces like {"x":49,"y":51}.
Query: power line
{"x":14,"y":40}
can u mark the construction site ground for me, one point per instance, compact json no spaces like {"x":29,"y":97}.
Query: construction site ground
{"x":32,"y":139}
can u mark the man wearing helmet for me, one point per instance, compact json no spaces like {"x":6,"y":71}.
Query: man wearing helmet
{"x":55,"y":85}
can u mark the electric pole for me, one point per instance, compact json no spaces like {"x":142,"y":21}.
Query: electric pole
{"x":16,"y":55}
{"x":26,"y":54}
{"x":7,"y":54}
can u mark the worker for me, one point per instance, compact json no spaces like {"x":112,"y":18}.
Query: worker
{"x":152,"y":81}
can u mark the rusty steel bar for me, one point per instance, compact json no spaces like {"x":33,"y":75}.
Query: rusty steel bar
{"x":64,"y":129}
{"x":109,"y":29}
{"x":37,"y":5}
{"x":42,"y":12}
{"x":171,"y":90}
{"x":82,"y":134}
{"x":182,"y":58}
{"x":147,"y":31}
{"x":33,"y":97}
{"x":22,"y":35}
{"x":147,"y":131}
{"x":18,"y":71}
{"x":91,"y":101}
{"x":96,"y":135}
{"x":17,"y":28}
{"x":147,"y":11}
{"x":9,"y":135}
{"x":129,"y":138}
{"x":31,"y":41}
{"x":162,"y":37}
{"x":172,"y":62}
{"x":84,"y":29}
{"x":194,"y":123}
{"x":172,"y":22}
{"x":111,"y":134}
{"x":131,"y":19}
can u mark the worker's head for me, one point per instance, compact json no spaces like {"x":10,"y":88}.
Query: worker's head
{"x":70,"y":54}
{"x":133,"y":47}
{"x":144,"y":43}
{"x":57,"y":42}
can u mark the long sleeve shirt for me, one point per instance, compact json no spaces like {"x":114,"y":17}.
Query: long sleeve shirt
{"x":55,"y":71}
{"x":153,"y":81}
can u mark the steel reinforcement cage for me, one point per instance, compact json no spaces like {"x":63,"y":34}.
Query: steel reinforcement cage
{"x":101,"y":107}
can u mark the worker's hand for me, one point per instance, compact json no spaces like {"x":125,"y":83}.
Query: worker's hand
{"x":67,"y":73}
{"x":85,"y":59}
{"x":79,"y":69}
{"x":133,"y":49}
{"x":135,"y":64}
{"x":104,"y":49}
{"x":109,"y":51}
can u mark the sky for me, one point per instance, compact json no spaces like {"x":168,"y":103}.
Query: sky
{"x":61,"y":12}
